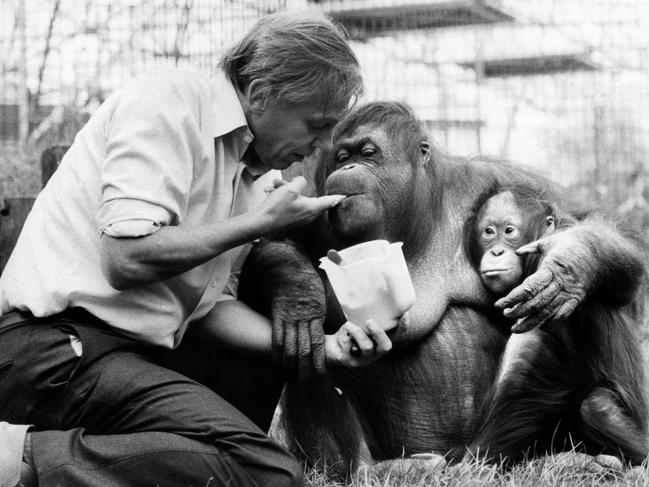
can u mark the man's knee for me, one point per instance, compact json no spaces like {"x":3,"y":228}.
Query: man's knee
{"x":276,"y":470}
{"x":291,"y":475}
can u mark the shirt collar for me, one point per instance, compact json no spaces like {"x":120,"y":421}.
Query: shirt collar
{"x":227,"y":101}
{"x":255,"y":167}
{"x":229,"y":112}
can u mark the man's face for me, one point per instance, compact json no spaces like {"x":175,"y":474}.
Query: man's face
{"x":286,"y":133}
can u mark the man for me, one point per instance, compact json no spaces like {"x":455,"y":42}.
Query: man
{"x":133,"y":241}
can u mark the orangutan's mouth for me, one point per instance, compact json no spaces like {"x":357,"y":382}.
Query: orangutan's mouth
{"x":348,"y":195}
{"x":495,"y":272}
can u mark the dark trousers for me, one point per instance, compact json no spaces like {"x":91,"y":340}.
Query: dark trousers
{"x":116,"y":417}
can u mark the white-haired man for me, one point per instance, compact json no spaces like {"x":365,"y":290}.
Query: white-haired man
{"x":134,"y":240}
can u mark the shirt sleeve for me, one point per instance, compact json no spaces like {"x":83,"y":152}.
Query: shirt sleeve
{"x":231,"y":289}
{"x":131,"y":228}
{"x":153,"y":140}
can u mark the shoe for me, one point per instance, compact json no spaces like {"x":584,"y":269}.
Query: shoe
{"x":27,"y":473}
{"x":27,"y":476}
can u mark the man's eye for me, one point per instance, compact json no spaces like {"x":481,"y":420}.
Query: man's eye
{"x":322,"y":125}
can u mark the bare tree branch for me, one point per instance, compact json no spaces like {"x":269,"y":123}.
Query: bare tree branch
{"x":181,"y":30}
{"x":46,"y":52}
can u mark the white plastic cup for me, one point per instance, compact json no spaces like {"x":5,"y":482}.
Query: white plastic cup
{"x":372,"y":282}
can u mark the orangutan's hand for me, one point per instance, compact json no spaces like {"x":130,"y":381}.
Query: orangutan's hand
{"x":298,"y":340}
{"x":558,"y":286}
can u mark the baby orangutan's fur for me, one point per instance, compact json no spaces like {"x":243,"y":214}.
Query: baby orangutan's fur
{"x":576,"y":382}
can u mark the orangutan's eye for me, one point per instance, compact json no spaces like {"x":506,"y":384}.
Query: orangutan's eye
{"x":368,"y":151}
{"x":342,"y":157}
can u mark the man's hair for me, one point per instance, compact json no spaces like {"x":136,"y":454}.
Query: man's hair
{"x":296,"y":55}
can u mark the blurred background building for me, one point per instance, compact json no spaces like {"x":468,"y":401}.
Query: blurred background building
{"x":560,"y":86}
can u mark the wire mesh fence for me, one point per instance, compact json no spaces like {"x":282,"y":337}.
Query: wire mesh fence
{"x":556,"y":85}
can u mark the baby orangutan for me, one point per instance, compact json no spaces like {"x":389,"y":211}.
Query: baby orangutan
{"x":571,"y":383}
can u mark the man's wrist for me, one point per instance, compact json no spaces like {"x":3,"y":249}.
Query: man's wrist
{"x":260,"y":222}
{"x":332,"y":350}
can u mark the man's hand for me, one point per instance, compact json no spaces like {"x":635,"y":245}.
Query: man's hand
{"x":559,"y":285}
{"x":353,"y":347}
{"x":285,"y":205}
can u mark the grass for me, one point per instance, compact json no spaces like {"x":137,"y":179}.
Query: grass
{"x":566,"y":469}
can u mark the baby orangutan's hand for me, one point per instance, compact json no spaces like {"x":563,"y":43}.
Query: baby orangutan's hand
{"x":351,"y":346}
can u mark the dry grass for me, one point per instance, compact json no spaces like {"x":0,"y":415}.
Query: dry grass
{"x":556,"y":471}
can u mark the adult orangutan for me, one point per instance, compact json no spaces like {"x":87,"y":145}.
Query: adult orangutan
{"x":569,"y":382}
{"x":426,"y":394}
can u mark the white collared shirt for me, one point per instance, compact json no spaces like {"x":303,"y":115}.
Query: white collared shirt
{"x":163,"y":150}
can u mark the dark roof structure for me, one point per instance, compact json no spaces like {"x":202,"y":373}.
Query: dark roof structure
{"x":533,"y":65}
{"x":363,"y":22}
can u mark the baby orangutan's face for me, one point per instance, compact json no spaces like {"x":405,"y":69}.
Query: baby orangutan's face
{"x":503,"y":227}
{"x":499,"y":235}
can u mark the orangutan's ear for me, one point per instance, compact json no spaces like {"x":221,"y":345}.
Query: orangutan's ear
{"x":425,"y":152}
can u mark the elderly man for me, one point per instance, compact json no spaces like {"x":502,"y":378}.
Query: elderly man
{"x":134,"y":240}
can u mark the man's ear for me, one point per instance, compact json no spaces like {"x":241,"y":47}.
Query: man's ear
{"x":257,"y":97}
{"x":550,"y":225}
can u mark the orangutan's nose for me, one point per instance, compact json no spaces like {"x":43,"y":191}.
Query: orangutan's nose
{"x":498,"y":251}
